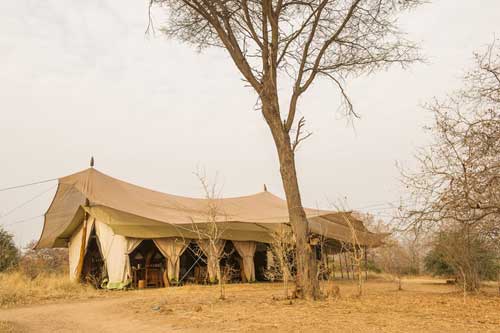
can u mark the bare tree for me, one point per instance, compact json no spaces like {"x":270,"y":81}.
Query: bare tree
{"x":210,"y":234}
{"x":282,"y":262}
{"x":294,"y":42}
{"x":356,"y":251}
{"x":399,"y":254}
{"x":457,"y":188}
{"x":393,"y":259}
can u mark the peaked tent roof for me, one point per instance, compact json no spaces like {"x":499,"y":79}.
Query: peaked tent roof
{"x":135,"y":211}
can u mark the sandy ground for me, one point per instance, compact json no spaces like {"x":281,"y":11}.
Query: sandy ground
{"x":424,"y":306}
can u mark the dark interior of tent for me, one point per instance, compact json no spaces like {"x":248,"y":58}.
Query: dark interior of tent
{"x":260,"y":260}
{"x":193,"y":264}
{"x":93,"y":262}
{"x":148,"y":265}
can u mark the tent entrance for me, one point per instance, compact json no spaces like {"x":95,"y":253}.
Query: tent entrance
{"x":260,"y":261}
{"x":231,"y":263}
{"x":193,"y":265}
{"x":148,"y":265}
{"x":93,"y":270}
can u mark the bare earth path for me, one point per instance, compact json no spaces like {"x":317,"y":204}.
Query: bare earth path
{"x":95,"y":315}
{"x":423,"y":306}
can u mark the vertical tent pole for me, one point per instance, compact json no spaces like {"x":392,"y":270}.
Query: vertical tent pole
{"x":346,"y":261}
{"x":353,"y":271}
{"x":83,"y":245}
{"x":340,"y":262}
{"x":333,"y":265}
{"x":366,"y":263}
{"x":79,"y":267}
{"x":325,"y":255}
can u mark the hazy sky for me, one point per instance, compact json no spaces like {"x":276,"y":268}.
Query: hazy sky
{"x":80,"y":78}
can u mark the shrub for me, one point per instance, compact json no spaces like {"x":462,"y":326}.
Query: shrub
{"x":455,"y":253}
{"x":9,"y":253}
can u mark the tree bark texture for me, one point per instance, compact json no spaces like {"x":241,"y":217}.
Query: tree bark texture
{"x":306,"y":280}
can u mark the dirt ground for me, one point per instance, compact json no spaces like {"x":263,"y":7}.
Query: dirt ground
{"x":423,"y":306}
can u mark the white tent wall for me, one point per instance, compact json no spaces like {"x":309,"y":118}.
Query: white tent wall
{"x":74,"y":248}
{"x":116,"y":250}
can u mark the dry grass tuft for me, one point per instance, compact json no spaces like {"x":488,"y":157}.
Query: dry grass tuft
{"x":8,"y":327}
{"x":16,"y":288}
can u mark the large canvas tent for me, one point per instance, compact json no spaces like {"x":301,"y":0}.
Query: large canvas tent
{"x":121,"y":215}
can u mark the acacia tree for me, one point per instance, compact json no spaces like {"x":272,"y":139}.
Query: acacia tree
{"x":281,"y":47}
{"x":457,"y":187}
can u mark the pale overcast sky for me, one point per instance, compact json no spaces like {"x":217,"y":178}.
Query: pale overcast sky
{"x":80,"y":78}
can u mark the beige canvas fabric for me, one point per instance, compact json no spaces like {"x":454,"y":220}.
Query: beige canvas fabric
{"x":172,"y":248}
{"x":115,"y":251}
{"x":137,"y":212}
{"x":74,"y":253}
{"x":132,"y":244}
{"x":213,"y":252}
{"x":74,"y":247}
{"x":246,"y":250}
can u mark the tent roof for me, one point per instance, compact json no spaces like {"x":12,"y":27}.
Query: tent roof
{"x":135,"y":211}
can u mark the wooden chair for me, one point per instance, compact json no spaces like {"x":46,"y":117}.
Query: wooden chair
{"x":153,"y":272}
{"x":154,"y":277}
{"x":200,"y":274}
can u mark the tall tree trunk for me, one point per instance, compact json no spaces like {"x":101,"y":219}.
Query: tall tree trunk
{"x":306,"y":279}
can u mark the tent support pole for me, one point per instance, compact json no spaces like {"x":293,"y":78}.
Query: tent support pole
{"x":340,"y":262}
{"x":346,"y":262}
{"x":190,"y":268}
{"x":79,"y":267}
{"x":353,"y":271}
{"x":366,"y":263}
{"x":333,"y":265}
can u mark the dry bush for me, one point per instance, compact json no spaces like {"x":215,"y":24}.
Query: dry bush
{"x":394,"y":260}
{"x":16,"y":288}
{"x":8,"y":327}
{"x":281,"y":265}
{"x":34,"y":262}
{"x":465,"y":257}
